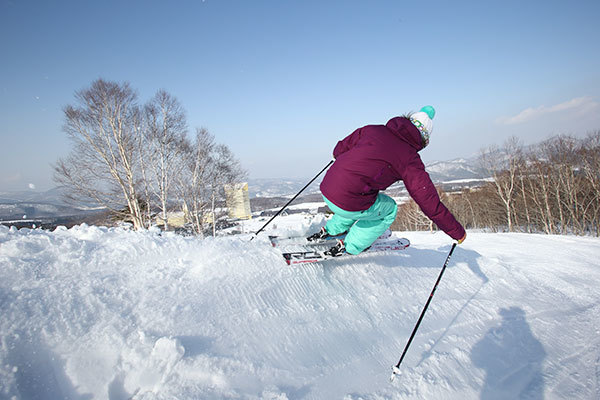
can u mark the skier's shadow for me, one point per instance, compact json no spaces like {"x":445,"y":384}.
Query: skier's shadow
{"x":512,"y":359}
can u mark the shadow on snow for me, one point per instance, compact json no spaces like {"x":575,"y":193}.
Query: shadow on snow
{"x":512,"y":359}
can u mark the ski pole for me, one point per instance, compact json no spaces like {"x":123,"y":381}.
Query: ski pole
{"x":396,"y":368}
{"x":293,"y":198}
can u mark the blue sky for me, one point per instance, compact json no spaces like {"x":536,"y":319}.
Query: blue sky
{"x":280,"y":82}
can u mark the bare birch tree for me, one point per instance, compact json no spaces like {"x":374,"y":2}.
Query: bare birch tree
{"x":191,"y":182}
{"x":590,"y":160}
{"x":209,"y":166}
{"x":103,"y":125}
{"x":165,"y":131}
{"x":502,"y":165}
{"x":224,"y":170}
{"x":562,"y":153}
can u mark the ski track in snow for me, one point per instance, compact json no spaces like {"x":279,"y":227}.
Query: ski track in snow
{"x":98,"y":313}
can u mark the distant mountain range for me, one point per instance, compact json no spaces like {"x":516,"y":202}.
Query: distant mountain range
{"x":461,"y":172}
{"x":30,"y":204}
{"x":52,"y":196}
{"x":458,"y":169}
{"x":273,"y":187}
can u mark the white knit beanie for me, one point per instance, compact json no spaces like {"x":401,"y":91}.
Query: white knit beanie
{"x":423,"y":121}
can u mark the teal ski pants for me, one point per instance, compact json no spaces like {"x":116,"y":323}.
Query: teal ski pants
{"x":363,"y":227}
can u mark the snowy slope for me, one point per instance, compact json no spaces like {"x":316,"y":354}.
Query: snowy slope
{"x":96,"y":313}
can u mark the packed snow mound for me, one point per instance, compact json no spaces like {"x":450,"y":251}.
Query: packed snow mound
{"x":98,"y":313}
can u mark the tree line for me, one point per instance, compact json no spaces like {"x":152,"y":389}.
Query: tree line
{"x":138,"y":161}
{"x":551,"y":187}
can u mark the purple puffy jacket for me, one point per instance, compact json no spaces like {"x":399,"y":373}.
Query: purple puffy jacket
{"x":374,"y":157}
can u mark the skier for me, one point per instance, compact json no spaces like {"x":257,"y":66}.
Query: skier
{"x":369,"y":160}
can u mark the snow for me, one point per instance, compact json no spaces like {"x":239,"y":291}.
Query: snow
{"x":469,"y":180}
{"x":312,"y":206}
{"x":99,"y":313}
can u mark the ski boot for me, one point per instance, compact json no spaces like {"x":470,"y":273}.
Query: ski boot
{"x":321,"y":235}
{"x":337,"y":250}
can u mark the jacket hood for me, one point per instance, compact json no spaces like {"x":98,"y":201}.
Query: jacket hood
{"x":405,"y":130}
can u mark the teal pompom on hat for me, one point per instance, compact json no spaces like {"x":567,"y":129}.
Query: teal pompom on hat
{"x":429,"y":110}
{"x":423,"y":121}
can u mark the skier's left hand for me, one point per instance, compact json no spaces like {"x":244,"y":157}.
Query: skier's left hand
{"x":462,"y":239}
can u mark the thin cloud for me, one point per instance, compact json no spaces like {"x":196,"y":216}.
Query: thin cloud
{"x":10,"y":178}
{"x":582,"y":105}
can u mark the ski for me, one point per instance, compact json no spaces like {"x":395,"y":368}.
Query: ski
{"x":314,"y":256}
{"x":279,"y":241}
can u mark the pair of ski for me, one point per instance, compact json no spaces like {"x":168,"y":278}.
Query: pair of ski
{"x":315,"y":251}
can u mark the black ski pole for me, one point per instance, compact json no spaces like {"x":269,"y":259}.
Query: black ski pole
{"x":293,"y":198}
{"x":396,"y":368}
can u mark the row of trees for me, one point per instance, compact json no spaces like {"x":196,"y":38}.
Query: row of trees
{"x":137,"y":160}
{"x":552,"y":187}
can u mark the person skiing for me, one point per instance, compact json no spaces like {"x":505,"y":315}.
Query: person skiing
{"x":370,"y":160}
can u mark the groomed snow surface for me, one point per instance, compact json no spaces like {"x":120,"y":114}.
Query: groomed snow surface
{"x":97,"y":313}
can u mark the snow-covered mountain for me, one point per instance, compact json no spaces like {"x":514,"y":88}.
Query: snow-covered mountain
{"x":51,"y":203}
{"x":280,"y":187}
{"x":457,"y":169}
{"x":101,"y":313}
{"x":39,"y":205}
